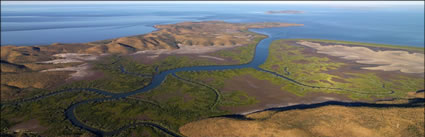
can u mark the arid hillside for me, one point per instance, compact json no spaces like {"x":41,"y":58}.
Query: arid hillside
{"x":209,"y":33}
{"x":30,"y":68}
{"x":329,"y":121}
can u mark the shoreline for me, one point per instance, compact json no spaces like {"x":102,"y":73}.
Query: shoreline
{"x":158,"y":79}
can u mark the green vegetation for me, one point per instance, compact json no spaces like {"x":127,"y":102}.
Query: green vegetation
{"x":242,"y":54}
{"x":238,"y":55}
{"x":217,"y":93}
{"x":173,"y":104}
{"x":180,"y":94}
{"x":292,"y":62}
{"x":142,"y":130}
{"x":194,"y":96}
{"x":49,"y":112}
{"x":237,"y":98}
{"x":176,"y":61}
{"x":191,"y":102}
{"x":27,"y":84}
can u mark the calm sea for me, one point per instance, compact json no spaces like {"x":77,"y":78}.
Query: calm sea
{"x":47,"y":24}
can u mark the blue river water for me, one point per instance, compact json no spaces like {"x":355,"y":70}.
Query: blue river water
{"x":75,"y":23}
{"x":260,"y":56}
{"x":94,"y":22}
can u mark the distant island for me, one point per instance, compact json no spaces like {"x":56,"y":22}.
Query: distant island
{"x":285,"y":12}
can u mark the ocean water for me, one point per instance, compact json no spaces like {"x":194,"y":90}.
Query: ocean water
{"x":76,"y":23}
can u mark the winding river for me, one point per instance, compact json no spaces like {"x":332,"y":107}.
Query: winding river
{"x":260,"y":56}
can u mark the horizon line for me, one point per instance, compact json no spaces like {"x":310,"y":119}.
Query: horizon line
{"x":357,"y":3}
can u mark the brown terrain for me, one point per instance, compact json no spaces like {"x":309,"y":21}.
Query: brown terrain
{"x":24,"y":68}
{"x":352,"y":66}
{"x":271,"y":95}
{"x":173,"y":36}
{"x":152,"y":56}
{"x":32,"y":125}
{"x":331,"y":121}
{"x":390,"y":60}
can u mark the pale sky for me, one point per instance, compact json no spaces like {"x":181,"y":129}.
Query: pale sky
{"x":349,"y":3}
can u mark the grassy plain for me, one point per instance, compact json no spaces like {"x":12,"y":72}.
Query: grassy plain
{"x":173,"y":104}
{"x":304,"y":65}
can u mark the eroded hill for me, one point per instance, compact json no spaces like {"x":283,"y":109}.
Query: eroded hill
{"x":172,"y":36}
{"x":29,"y":68}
